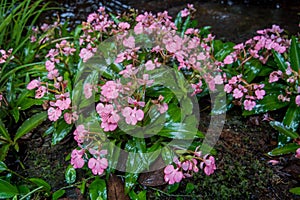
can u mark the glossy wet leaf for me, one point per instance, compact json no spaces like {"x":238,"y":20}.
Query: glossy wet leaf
{"x":3,"y":131}
{"x":29,"y":124}
{"x":295,"y":190}
{"x":41,"y":182}
{"x":292,"y":117}
{"x":252,"y":69}
{"x":57,"y":194}
{"x":3,"y":166}
{"x":284,"y":130}
{"x":295,"y":54}
{"x":269,"y":103}
{"x":97,"y":189}
{"x":3,"y":151}
{"x":173,"y":188}
{"x":7,"y":190}
{"x":288,"y":148}
{"x":70,"y":175}
{"x":61,"y":130}
{"x":279,"y":59}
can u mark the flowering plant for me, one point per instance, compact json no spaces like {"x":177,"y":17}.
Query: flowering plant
{"x":132,"y":94}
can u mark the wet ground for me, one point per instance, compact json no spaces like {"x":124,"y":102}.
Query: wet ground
{"x":231,"y":20}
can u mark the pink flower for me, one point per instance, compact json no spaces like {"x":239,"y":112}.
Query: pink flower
{"x":88,"y":90}
{"x":172,"y":175}
{"x":124,"y":25}
{"x":33,"y":84}
{"x":85,"y":54}
{"x":210,"y":166}
{"x":52,"y":74}
{"x":76,"y":158}
{"x":132,"y":116}
{"x":297,"y":100}
{"x":185,"y":12}
{"x":273,"y":162}
{"x":135,"y":102}
{"x":138,"y":29}
{"x":260,"y":94}
{"x":297,"y":153}
{"x":54,"y":114}
{"x":49,"y":65}
{"x":162,"y":107}
{"x":110,"y":90}
{"x":129,"y":42}
{"x":274,"y":76}
{"x":40,"y":92}
{"x":249,"y":105}
{"x":98,"y":165}
{"x":70,"y":117}
{"x":227,"y":88}
{"x":237,"y":93}
{"x":149,"y":65}
{"x":228,"y":60}
{"x":80,"y":133}
{"x":109,"y":117}
{"x":63,"y":104}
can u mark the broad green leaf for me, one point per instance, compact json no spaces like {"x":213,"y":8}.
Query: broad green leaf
{"x":57,"y":194}
{"x":97,"y":189}
{"x":279,"y":61}
{"x":15,"y":113}
{"x":189,"y":188}
{"x":3,"y":131}
{"x":292,"y":117}
{"x":60,"y":132}
{"x":295,"y":54}
{"x":3,"y":151}
{"x":41,"y":182}
{"x":286,"y":149}
{"x":28,"y":102}
{"x":284,"y":130}
{"x":70,"y":175}
{"x":140,"y":196}
{"x":252,"y":69}
{"x":295,"y":190}
{"x":173,"y":188}
{"x":3,"y":166}
{"x":269,"y":103}
{"x":167,"y":155}
{"x":23,"y":189}
{"x":30,"y":124}
{"x":7,"y":190}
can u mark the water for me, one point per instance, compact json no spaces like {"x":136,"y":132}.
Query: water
{"x":231,"y":20}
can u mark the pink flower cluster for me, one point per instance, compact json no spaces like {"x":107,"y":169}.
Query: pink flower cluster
{"x":260,"y":46}
{"x":244,"y":92}
{"x":55,"y":85}
{"x":6,"y":55}
{"x":97,"y":163}
{"x":186,"y":167}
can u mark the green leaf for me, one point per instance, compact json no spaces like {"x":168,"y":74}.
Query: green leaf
{"x":3,"y":151}
{"x":269,"y":103}
{"x":28,"y":102}
{"x":97,"y":189}
{"x":173,"y":188}
{"x":41,"y":182}
{"x":295,"y":190}
{"x":60,"y":132}
{"x":59,"y":193}
{"x":70,"y":175}
{"x":283,"y":129}
{"x":140,"y":196}
{"x":15,"y":113}
{"x":7,"y":190}
{"x":189,"y":187}
{"x":30,"y":124}
{"x":130,"y":181}
{"x":292,"y":117}
{"x":3,"y":131}
{"x":286,"y":149}
{"x":295,"y":54}
{"x":3,"y":166}
{"x":279,"y":61}
{"x":252,"y":69}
